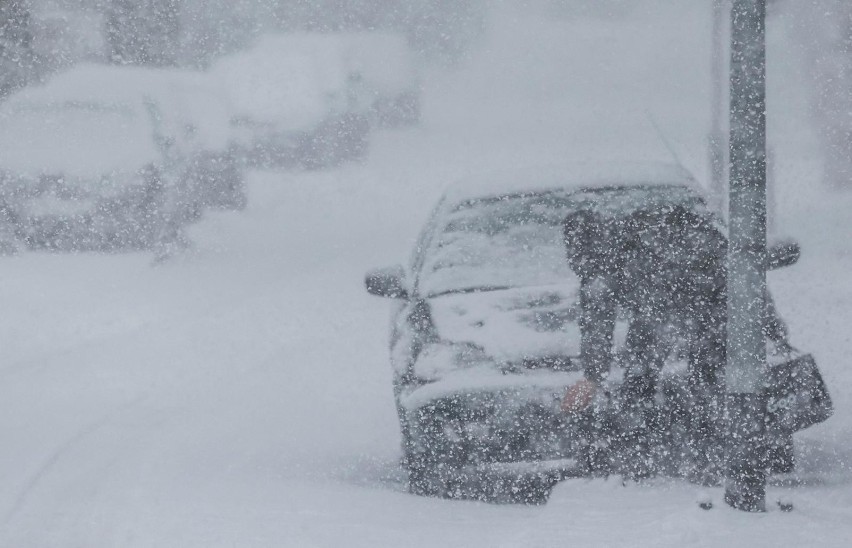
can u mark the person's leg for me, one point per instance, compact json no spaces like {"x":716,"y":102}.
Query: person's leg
{"x":597,"y":324}
{"x":704,"y":420}
{"x":645,"y":356}
{"x":638,"y":416}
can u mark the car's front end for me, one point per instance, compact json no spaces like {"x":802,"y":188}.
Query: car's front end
{"x":488,"y":341}
{"x":463,"y":434}
{"x":63,"y":213}
{"x":480,"y":403}
{"x":85,"y":175}
{"x":479,"y":422}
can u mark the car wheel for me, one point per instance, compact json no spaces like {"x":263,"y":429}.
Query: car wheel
{"x":436,"y":469}
{"x":433,"y":463}
{"x":425,"y":478}
{"x":430,"y":471}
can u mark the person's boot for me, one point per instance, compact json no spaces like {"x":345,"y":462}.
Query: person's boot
{"x":706,"y":439}
{"x":639,"y":439}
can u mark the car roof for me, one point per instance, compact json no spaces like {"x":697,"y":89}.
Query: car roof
{"x":182,"y":98}
{"x":570,"y":176}
{"x":294,"y":80}
{"x":110,"y":83}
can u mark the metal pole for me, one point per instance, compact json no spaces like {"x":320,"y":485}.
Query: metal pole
{"x":716,"y":141}
{"x":746,"y":371}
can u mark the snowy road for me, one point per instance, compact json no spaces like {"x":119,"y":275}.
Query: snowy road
{"x":240,"y":395}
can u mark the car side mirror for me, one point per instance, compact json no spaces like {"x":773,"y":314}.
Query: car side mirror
{"x":783,"y":253}
{"x":387,"y":282}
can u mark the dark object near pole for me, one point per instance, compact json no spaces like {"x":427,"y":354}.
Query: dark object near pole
{"x":747,"y":369}
{"x":745,"y":487}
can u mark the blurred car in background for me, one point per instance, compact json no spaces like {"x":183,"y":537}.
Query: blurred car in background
{"x":485,"y":334}
{"x":203,"y":112}
{"x":443,"y":30}
{"x":113,"y":158}
{"x":388,"y":70}
{"x":296,"y":102}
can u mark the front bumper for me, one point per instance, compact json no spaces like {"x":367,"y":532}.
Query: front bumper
{"x":485,"y":424}
{"x":482,"y":423}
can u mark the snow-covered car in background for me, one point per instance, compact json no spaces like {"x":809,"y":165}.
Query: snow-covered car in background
{"x":389,"y":77}
{"x":443,"y":30}
{"x":486,"y":337}
{"x":295,"y":102}
{"x":216,"y":174}
{"x":112,"y":158}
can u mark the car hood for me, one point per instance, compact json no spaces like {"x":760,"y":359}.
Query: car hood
{"x":513,"y":325}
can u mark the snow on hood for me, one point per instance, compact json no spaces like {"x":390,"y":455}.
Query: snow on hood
{"x":514,"y":324}
{"x":482,"y":382}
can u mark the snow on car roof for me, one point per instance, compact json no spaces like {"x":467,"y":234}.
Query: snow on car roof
{"x":184,"y":98}
{"x":90,"y":81}
{"x":383,"y":59}
{"x":573,"y":175}
{"x":294,"y":79}
{"x":83,"y":122}
{"x":85,"y":140}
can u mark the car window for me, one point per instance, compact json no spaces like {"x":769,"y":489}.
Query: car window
{"x":516,"y":240}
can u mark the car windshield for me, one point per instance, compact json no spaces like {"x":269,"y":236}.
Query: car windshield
{"x":79,"y":139}
{"x":516,"y":240}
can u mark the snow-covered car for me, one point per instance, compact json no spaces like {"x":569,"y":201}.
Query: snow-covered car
{"x":112,"y":158}
{"x":485,"y":334}
{"x":193,"y":114}
{"x":295,"y":102}
{"x":389,"y":77}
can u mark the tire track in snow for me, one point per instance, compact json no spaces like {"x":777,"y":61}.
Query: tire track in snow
{"x":56,"y":456}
